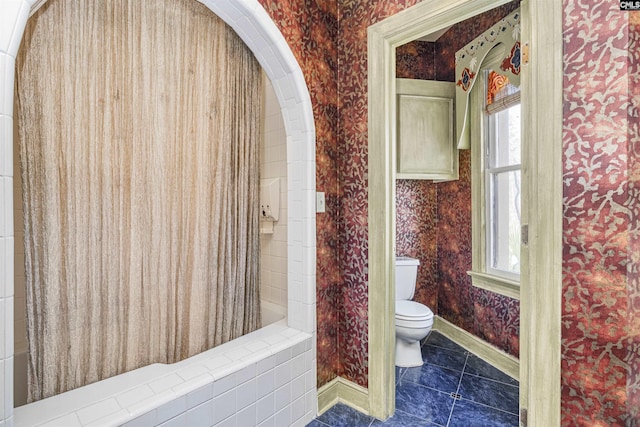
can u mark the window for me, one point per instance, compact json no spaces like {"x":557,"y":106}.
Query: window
{"x":496,"y":183}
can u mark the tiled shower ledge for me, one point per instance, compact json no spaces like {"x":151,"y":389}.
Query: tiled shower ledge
{"x":123,"y":398}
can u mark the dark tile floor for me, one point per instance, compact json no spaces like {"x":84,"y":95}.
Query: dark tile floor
{"x":453,"y":388}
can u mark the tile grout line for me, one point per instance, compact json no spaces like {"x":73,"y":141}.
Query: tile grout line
{"x":458,"y":388}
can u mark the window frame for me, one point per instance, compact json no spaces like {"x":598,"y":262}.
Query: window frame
{"x":481,"y":275}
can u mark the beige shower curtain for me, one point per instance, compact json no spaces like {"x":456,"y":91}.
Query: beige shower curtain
{"x":139,"y":128}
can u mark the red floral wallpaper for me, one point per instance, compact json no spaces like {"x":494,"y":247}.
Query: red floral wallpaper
{"x":633,"y":273}
{"x":416,"y":235}
{"x":601,"y":290}
{"x":311,"y":29}
{"x":596,"y":342}
{"x":323,"y":35}
{"x":355,"y":17}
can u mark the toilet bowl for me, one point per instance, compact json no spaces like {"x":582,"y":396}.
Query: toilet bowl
{"x":413,"y":323}
{"x":413,"y":320}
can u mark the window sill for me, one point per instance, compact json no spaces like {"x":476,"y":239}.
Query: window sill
{"x":499,"y":285}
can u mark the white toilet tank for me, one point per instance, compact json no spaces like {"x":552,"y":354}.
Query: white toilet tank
{"x":406,"y":273}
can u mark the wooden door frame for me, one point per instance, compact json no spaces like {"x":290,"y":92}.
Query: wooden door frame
{"x":541,"y":278}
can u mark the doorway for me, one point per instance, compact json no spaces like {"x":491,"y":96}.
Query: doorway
{"x":541,"y":249}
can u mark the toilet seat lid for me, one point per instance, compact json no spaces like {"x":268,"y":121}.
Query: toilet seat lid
{"x":412,"y":310}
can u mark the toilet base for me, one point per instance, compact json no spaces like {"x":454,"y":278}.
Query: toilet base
{"x":408,"y":354}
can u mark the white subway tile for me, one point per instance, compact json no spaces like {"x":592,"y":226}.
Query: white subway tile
{"x":283,"y":374}
{"x":7,"y":306}
{"x":6,"y":229}
{"x":7,"y":78}
{"x":298,"y":365}
{"x":150,"y":404}
{"x":246,"y":394}
{"x":265,"y":365}
{"x":172,"y":409}
{"x":134,"y":396}
{"x":269,"y":422}
{"x":247,"y":373}
{"x":4,"y":389}
{"x":233,"y":11}
{"x":309,"y":360}
{"x":199,"y":396}
{"x":246,"y":416}
{"x":298,"y":409}
{"x":311,"y":381}
{"x":311,"y":402}
{"x":224,"y":384}
{"x":265,"y":384}
{"x":265,"y":407}
{"x":8,"y":384}
{"x":146,"y":420}
{"x":18,"y":30}
{"x":224,"y":405}
{"x":283,"y":396}
{"x":4,"y":276}
{"x":69,"y":420}
{"x":227,"y":422}
{"x":6,"y":141}
{"x":179,"y":421}
{"x":283,"y":356}
{"x":286,"y":87}
{"x":116,"y":418}
{"x":217,"y":362}
{"x":8,"y":19}
{"x":191,"y":372}
{"x":201,"y":415}
{"x":298,"y":387}
{"x":283,"y":418}
{"x":256,"y":346}
{"x":238,"y":353}
{"x":98,"y":410}
{"x":165,"y":383}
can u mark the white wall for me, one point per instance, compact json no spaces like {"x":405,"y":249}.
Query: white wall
{"x":273,"y":164}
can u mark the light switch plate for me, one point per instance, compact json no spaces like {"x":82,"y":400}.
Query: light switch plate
{"x":320,"y":202}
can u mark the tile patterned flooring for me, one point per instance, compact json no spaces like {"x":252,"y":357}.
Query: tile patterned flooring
{"x":453,"y":388}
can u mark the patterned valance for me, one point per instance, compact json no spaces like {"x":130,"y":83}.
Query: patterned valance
{"x":469,"y":60}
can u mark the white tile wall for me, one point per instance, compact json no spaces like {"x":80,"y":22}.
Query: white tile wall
{"x":254,"y":25}
{"x":273,"y":164}
{"x":248,"y":393}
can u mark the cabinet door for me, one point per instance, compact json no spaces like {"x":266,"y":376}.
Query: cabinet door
{"x":426,"y":148}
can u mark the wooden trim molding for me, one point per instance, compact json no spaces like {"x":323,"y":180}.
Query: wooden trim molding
{"x":343,"y":391}
{"x":505,"y":362}
{"x":541,"y":259}
{"x":384,"y":37}
{"x":541,"y":266}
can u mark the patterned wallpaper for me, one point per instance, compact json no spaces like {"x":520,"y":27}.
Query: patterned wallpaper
{"x":433,"y":220}
{"x":416,"y":234}
{"x":311,"y":29}
{"x":599,"y":189}
{"x":340,"y":110}
{"x":633,"y":273}
{"x":355,"y":17}
{"x":599,"y":385}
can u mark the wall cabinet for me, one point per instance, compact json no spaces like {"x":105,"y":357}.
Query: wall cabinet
{"x":425,"y":130}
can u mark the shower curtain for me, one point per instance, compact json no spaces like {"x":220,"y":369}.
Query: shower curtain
{"x":139,"y":128}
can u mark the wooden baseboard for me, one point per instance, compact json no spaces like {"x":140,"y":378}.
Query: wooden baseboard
{"x":496,"y":357}
{"x":344,"y":391}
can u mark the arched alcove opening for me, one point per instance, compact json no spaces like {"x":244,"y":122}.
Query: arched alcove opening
{"x":255,"y":27}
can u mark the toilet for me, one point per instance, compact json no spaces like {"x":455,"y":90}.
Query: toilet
{"x":413,"y":320}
